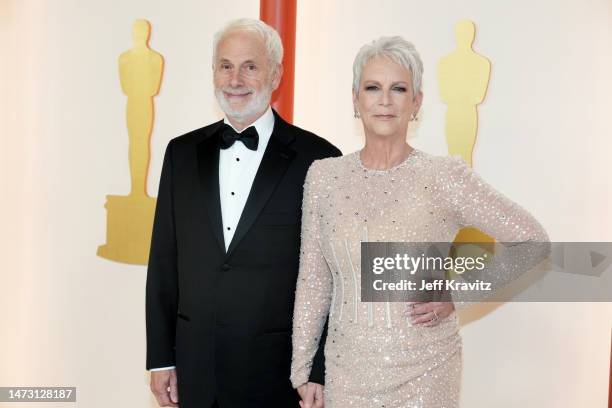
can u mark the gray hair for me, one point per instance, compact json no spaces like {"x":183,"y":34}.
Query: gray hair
{"x":272,"y":40}
{"x":395,"y":48}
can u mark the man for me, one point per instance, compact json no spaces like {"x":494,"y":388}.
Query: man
{"x":226,"y":237}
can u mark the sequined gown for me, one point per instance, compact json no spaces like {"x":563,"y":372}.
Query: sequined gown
{"x":374,"y":357}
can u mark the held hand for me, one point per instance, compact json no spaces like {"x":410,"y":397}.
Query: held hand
{"x":429,"y":313}
{"x":164,"y":387}
{"x":311,"y":395}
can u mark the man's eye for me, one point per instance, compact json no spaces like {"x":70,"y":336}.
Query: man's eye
{"x":251,"y":67}
{"x":225,"y":66}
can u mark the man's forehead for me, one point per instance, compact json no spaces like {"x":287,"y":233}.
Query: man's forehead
{"x":241,"y":44}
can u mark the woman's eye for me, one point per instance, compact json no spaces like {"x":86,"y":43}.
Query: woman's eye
{"x":225,"y":66}
{"x":400,"y":89}
{"x":371,"y":88}
{"x":252,"y":67}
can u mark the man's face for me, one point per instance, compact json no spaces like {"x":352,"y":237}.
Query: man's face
{"x":244,"y":78}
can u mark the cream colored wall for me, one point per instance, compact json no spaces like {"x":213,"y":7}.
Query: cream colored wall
{"x":71,"y":318}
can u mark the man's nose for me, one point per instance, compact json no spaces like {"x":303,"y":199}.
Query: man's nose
{"x":236,"y":79}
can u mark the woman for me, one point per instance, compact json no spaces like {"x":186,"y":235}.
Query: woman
{"x":387,"y":354}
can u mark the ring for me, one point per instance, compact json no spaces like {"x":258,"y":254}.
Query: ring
{"x":435,"y":315}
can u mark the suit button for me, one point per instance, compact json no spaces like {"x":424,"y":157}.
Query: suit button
{"x":226,"y":267}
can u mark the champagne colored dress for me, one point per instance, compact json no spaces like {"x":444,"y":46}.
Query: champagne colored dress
{"x":374,"y":357}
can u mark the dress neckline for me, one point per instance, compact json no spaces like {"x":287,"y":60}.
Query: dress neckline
{"x":385,"y":171}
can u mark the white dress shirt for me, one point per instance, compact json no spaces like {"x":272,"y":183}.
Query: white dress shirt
{"x":237,"y":168}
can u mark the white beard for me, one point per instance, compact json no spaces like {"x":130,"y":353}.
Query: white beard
{"x":258,"y":103}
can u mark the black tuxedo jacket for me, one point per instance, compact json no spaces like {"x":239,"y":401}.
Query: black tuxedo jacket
{"x":224,"y":319}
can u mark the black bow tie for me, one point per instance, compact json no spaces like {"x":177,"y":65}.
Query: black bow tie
{"x":248,"y":136}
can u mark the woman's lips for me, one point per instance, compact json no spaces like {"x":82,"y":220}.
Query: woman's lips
{"x":384,"y":117}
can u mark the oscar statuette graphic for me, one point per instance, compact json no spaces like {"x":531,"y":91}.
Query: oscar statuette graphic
{"x":130,"y":218}
{"x":463,"y":78}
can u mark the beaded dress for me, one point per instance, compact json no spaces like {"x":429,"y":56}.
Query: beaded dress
{"x":374,"y":357}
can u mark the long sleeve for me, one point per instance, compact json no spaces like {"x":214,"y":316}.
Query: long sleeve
{"x":162,"y":282}
{"x":522,"y":242}
{"x":314,"y":285}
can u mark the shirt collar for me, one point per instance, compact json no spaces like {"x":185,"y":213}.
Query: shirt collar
{"x":264,"y":125}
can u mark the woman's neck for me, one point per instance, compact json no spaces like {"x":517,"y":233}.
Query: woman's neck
{"x":383,"y":154}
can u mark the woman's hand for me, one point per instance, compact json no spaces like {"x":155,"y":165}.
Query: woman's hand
{"x":429,"y":313}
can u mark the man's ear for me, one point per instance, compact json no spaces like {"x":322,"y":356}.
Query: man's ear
{"x":278,"y":75}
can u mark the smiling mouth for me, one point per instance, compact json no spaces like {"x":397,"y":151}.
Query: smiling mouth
{"x":384,"y":117}
{"x":232,"y":95}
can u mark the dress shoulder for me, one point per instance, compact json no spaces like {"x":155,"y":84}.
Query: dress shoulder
{"x":455,"y":165}
{"x":444,"y":163}
{"x":448,"y":169}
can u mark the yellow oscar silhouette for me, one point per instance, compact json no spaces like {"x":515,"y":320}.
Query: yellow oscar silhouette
{"x":463,"y":77}
{"x":130,"y":218}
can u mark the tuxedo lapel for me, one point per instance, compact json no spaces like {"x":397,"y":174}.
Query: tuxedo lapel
{"x":274,"y":164}
{"x":208,"y":167}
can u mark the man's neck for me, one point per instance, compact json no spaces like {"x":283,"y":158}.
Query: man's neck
{"x":241,"y":124}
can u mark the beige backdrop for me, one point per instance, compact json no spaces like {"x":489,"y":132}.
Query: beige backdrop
{"x":72,"y":318}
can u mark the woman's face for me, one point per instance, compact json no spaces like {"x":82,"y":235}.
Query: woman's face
{"x":385,"y":99}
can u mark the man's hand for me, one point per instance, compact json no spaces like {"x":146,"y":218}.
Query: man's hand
{"x":163,"y":386}
{"x":311,"y":395}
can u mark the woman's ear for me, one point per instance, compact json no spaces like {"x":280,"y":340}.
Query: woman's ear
{"x":418,"y":100}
